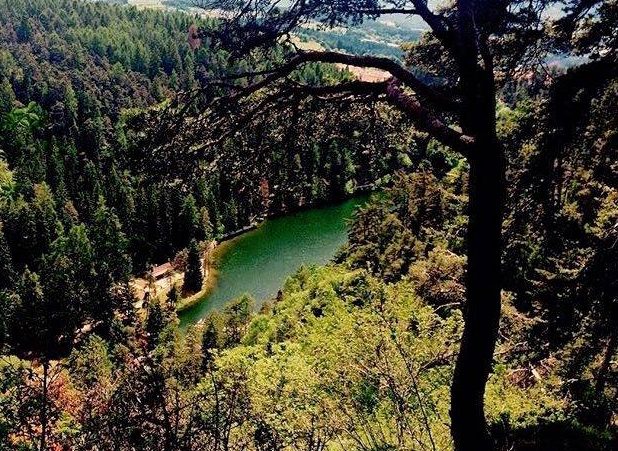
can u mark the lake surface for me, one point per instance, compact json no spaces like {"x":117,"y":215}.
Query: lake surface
{"x":258,"y":262}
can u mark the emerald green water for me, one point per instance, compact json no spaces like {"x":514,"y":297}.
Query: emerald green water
{"x":259,"y":261}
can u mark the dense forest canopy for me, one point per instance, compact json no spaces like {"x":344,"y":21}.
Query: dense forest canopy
{"x":130,"y":136}
{"x":77,"y":76}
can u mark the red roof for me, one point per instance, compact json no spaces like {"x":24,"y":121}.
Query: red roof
{"x":161,"y":270}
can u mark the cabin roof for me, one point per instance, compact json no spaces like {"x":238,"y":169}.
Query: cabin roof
{"x":161,"y":270}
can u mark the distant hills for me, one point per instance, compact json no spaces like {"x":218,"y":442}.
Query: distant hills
{"x":381,"y":37}
{"x":376,"y":37}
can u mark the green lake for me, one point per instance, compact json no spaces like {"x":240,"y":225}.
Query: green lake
{"x":259,"y":261}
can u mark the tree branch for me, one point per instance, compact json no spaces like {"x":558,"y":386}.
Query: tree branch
{"x":426,"y":121}
{"x":385,"y":64}
{"x":356,"y":87}
{"x":395,"y":94}
{"x":436,"y":22}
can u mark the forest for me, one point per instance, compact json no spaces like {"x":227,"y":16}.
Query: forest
{"x":473,"y":307}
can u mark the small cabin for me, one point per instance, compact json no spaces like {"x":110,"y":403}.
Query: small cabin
{"x":161,"y":271}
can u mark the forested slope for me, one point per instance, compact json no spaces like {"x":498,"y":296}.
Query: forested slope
{"x":358,"y":354}
{"x":354,"y":355}
{"x":84,"y":202}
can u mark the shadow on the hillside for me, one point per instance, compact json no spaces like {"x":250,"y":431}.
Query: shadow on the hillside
{"x":558,"y":436}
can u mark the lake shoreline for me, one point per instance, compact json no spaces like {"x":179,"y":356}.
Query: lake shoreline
{"x":299,"y":247}
{"x":215,"y":248}
{"x":210,"y":282}
{"x":211,"y":273}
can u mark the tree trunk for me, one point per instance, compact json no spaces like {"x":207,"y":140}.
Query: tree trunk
{"x":483,"y":281}
{"x":43,"y":445}
{"x":484,"y":239}
{"x":482,"y":311}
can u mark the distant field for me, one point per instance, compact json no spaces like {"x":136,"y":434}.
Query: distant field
{"x":366,"y":73}
{"x":361,"y":73}
{"x":142,"y":4}
{"x":305,"y":44}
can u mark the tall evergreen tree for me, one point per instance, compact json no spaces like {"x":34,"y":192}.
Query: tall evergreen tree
{"x":209,"y":343}
{"x":188,"y":222}
{"x":7,"y":269}
{"x":110,"y":244}
{"x":194,"y":274}
{"x":155,"y":322}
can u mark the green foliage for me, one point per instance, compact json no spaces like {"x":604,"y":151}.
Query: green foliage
{"x":354,"y":355}
{"x":559,"y":243}
{"x":85,"y":133}
{"x":404,"y":225}
{"x":341,"y":356}
{"x":90,"y":365}
{"x":22,"y":120}
{"x":156,"y":321}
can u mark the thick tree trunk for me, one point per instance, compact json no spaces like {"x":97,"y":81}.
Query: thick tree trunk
{"x":482,"y":313}
{"x":484,"y":239}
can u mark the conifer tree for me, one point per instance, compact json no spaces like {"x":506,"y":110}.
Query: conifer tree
{"x":194,"y":275}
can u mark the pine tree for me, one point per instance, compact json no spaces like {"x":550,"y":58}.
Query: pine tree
{"x":155,"y":322}
{"x":7,"y":96}
{"x":30,"y":329}
{"x":205,"y":232}
{"x":110,"y":244}
{"x":46,"y":218}
{"x":7,"y":271}
{"x":194,"y":276}
{"x":189,"y":221}
{"x":209,"y":342}
{"x":172,"y":298}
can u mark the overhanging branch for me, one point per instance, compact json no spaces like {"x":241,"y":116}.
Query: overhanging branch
{"x":393,"y":93}
{"x":356,"y":87}
{"x":217,"y":123}
{"x":393,"y":68}
{"x":425,"y":120}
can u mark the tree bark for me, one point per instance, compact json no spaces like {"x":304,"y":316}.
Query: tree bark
{"x":483,"y":288}
{"x":482,"y":312}
{"x":484,"y":238}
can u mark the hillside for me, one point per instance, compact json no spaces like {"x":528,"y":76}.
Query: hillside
{"x":392,"y":236}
